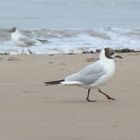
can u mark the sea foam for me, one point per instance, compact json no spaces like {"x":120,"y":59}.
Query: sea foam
{"x":74,"y":40}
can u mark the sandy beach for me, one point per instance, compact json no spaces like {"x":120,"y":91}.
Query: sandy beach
{"x":31,"y":111}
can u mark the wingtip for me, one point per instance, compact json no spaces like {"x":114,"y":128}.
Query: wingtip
{"x":45,"y":84}
{"x":53,"y":82}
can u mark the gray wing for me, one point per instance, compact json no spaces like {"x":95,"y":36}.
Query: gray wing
{"x":27,"y":40}
{"x":89,"y":74}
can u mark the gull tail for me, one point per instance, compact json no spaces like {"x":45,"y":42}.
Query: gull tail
{"x":53,"y":82}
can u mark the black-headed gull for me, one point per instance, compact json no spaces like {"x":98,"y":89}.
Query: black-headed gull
{"x":21,"y":40}
{"x":93,"y":75}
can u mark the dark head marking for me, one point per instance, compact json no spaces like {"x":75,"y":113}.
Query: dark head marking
{"x":109,"y":52}
{"x":13,"y":30}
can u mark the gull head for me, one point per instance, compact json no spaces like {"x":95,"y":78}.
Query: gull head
{"x":109,"y":53}
{"x":12,"y":30}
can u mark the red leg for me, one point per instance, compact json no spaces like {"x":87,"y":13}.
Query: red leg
{"x":88,"y":97}
{"x":107,"y":96}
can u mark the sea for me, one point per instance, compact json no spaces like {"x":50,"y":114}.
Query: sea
{"x":71,"y":26}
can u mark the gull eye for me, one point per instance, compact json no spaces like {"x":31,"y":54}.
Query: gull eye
{"x":112,"y":53}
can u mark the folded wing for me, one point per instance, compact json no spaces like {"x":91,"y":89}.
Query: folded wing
{"x":88,"y":75}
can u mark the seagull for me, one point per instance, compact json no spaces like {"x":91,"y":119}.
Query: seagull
{"x":93,"y":75}
{"x":21,"y":40}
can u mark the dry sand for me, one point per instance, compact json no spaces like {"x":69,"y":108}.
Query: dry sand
{"x":31,"y":111}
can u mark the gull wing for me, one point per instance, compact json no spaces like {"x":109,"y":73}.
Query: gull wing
{"x":88,"y":75}
{"x":27,"y":40}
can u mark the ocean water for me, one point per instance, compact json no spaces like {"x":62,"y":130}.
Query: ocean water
{"x":72,"y":26}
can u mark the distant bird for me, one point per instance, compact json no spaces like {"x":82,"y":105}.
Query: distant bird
{"x":93,"y":75}
{"x":21,"y":40}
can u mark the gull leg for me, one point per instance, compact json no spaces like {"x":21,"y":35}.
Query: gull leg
{"x":88,"y":97}
{"x":107,"y":96}
{"x":22,"y":52}
{"x":29,"y":51}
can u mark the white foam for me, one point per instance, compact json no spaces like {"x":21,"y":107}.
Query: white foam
{"x":78,"y":41}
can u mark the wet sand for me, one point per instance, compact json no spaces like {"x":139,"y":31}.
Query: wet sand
{"x":31,"y":111}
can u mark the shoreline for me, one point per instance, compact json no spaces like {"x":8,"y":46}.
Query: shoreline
{"x":84,"y":52}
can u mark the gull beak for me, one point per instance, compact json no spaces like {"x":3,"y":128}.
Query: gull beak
{"x":118,"y":56}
